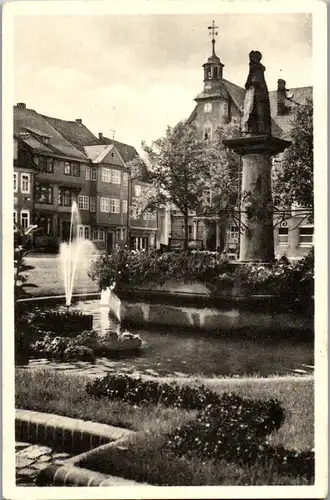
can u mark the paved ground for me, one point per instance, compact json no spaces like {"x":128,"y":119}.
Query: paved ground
{"x":31,"y":459}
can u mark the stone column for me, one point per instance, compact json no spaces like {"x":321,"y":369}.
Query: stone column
{"x":257,"y":238}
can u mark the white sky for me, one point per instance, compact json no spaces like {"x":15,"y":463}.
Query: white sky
{"x":137,"y":74}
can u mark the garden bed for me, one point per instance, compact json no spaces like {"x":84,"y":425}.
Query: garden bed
{"x":146,"y":458}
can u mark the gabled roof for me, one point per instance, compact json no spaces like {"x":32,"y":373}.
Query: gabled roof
{"x":299,"y":96}
{"x":280,"y":124}
{"x":127,"y":152}
{"x":74,"y":132}
{"x":98,"y":153}
{"x":28,"y":120}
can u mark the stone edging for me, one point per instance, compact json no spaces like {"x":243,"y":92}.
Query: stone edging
{"x":69,"y":434}
{"x":72,"y":435}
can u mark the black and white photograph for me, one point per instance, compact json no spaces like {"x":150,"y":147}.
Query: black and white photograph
{"x":164,"y":287}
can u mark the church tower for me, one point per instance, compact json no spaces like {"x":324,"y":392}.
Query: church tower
{"x":213,"y":102}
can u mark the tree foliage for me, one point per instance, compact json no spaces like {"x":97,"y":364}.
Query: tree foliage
{"x":180,"y":166}
{"x":293,"y":177}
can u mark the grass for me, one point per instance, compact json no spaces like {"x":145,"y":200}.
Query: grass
{"x":145,"y":458}
{"x":51,"y":267}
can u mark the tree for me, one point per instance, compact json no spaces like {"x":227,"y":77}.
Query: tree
{"x":293,"y":176}
{"x":180,"y":166}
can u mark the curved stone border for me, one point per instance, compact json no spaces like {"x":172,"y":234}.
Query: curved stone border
{"x":67,"y":433}
{"x":70,"y":475}
{"x":74,"y":435}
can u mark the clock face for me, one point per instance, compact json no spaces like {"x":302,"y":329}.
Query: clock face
{"x":207,"y":107}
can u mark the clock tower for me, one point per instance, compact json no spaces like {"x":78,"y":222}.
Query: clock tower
{"x":213,"y":102}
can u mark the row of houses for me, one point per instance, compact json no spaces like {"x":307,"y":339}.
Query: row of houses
{"x":57,"y":162}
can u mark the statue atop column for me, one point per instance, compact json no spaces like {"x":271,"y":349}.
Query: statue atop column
{"x":256,"y":118}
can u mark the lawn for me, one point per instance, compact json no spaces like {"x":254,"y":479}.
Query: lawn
{"x":145,"y":459}
{"x":47,"y":275}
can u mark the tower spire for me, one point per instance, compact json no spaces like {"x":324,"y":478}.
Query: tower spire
{"x":213,"y":33}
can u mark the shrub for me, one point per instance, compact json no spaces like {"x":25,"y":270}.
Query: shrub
{"x":236,"y":431}
{"x":47,"y":243}
{"x":291,"y":282}
{"x":78,"y":353}
{"x":143,"y":268}
{"x":140,"y":391}
{"x":88,"y":338}
{"x":230,"y":430}
{"x":51,"y":346}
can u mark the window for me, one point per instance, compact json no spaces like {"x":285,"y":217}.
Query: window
{"x":83,"y":232}
{"x":46,"y":164}
{"x":65,"y":197}
{"x":134,"y":211}
{"x":15,"y":182}
{"x":137,"y":190}
{"x":44,"y":194}
{"x":207,"y":132}
{"x":87,"y":173}
{"x":67,"y":168}
{"x":83,"y":202}
{"x":207,"y":195}
{"x":207,"y":107}
{"x":105,"y":205}
{"x":106,"y":175}
{"x":283,"y":236}
{"x":115,"y":176}
{"x":45,"y":223}
{"x":92,"y":204}
{"x":25,"y":219}
{"x":25,"y":183}
{"x":15,"y":220}
{"x":93,"y":173}
{"x":124,"y":206}
{"x":76,"y":169}
{"x":120,"y":233}
{"x":190,"y":231}
{"x":101,"y":234}
{"x":98,"y":234}
{"x":115,"y":206}
{"x":125,"y":179}
{"x":71,"y":168}
{"x":233,"y":233}
{"x":306,"y":236}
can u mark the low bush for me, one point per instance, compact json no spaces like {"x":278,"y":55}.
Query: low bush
{"x":237,"y":432}
{"x":47,"y":243}
{"x":79,"y":353}
{"x":63,"y":348}
{"x":138,"y":391}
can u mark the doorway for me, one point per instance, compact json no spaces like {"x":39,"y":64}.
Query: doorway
{"x":110,"y":241}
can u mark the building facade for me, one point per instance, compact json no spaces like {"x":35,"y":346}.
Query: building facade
{"x":58,"y":162}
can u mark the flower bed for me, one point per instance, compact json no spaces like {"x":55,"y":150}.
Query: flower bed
{"x":227,"y":427}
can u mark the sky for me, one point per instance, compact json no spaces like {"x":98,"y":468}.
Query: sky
{"x":137,"y":74}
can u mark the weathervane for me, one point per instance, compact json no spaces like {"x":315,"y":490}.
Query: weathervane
{"x":212,"y":32}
